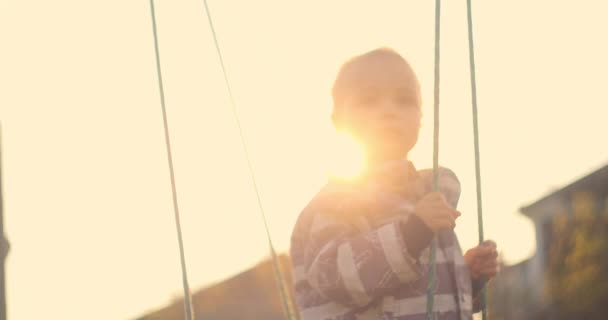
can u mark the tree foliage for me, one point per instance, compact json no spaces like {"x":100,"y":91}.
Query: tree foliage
{"x":577,"y":274}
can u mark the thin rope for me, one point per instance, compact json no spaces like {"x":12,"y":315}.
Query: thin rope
{"x":187,"y":296}
{"x":275,"y":262}
{"x":430,"y":291}
{"x":476,"y":141}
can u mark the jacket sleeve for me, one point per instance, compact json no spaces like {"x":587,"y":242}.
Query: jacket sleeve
{"x":354,"y":268}
{"x":478,"y":286}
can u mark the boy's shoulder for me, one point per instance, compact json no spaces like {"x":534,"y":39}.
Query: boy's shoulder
{"x":447,"y":183}
{"x":441,"y":172}
{"x":324,"y":207}
{"x":338,"y":196}
{"x":342,"y":201}
{"x":334,"y":196}
{"x":333,"y":200}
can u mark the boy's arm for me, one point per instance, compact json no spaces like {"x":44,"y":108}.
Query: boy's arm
{"x":353,"y":270}
{"x":483,"y":265}
{"x":478,"y":286}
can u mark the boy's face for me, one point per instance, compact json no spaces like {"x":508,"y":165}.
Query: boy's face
{"x":380,"y":106}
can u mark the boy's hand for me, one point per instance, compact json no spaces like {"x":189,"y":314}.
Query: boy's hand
{"x":435,"y":212}
{"x":482,"y":260}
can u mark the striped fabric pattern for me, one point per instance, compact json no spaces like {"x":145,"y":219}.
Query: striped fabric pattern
{"x":350,"y":258}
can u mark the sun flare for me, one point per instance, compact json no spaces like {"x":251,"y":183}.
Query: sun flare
{"x":346,"y":156}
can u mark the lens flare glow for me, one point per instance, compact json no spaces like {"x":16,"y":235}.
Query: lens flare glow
{"x":346,"y":157}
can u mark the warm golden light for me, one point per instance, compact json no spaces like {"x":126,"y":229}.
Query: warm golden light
{"x":346,"y":156}
{"x":81,"y":132}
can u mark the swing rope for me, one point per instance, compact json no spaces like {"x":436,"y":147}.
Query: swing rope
{"x":280,"y":278}
{"x":432,"y":267}
{"x":476,"y":141}
{"x":430,"y":290}
{"x":187,"y":296}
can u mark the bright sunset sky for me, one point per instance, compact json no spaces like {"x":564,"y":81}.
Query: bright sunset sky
{"x":88,"y":206}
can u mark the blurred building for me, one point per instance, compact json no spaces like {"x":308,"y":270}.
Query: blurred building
{"x":521,"y":291}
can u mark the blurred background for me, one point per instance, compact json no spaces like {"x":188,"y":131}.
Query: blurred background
{"x":86,"y":194}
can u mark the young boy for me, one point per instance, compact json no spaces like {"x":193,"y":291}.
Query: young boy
{"x":360,"y":249}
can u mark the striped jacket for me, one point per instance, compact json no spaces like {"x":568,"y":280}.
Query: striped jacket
{"x":358,"y":252}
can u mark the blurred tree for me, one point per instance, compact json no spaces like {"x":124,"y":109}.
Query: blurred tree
{"x":577,"y":273}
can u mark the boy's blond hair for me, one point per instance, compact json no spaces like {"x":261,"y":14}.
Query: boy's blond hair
{"x":353,"y":67}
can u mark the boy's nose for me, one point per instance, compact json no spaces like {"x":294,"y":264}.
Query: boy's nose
{"x":390,"y":111}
